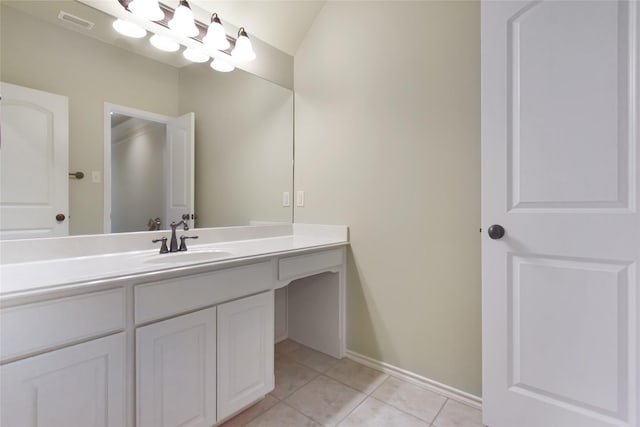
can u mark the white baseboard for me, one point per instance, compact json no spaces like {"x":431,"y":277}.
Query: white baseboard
{"x":403,"y":374}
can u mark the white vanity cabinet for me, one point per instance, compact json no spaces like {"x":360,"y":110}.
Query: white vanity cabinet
{"x":190,"y":345}
{"x":214,"y":351}
{"x":245,"y":352}
{"x":79,"y":386}
{"x":176,"y":371}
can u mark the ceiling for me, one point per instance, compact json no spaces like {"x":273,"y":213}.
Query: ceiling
{"x":282,"y":24}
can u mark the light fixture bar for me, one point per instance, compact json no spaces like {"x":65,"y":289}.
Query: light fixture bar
{"x":168,"y":15}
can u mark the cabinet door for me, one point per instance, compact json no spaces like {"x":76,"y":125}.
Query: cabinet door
{"x":78,"y":386}
{"x":176,"y":371}
{"x":245,"y":352}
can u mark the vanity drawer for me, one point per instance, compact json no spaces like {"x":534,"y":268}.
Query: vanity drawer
{"x":166,"y":298}
{"x":32,"y":328}
{"x":305,"y":265}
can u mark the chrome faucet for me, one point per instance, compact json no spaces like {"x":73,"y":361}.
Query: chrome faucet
{"x":173,"y":245}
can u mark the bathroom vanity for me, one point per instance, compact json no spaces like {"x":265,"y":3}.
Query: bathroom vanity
{"x":93,"y":334}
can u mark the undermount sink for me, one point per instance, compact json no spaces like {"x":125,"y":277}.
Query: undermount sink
{"x":188,"y":256}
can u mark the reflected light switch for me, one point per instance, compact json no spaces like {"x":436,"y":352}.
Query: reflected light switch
{"x":286,"y":199}
{"x":300,"y":198}
{"x":96,"y":177}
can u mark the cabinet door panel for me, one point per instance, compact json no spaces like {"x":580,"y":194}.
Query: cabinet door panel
{"x":176,"y":370}
{"x":245,"y":352}
{"x":81,"y":386}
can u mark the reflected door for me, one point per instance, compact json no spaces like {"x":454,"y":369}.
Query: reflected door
{"x":179,"y":188}
{"x":559,"y":161}
{"x":34,"y":158}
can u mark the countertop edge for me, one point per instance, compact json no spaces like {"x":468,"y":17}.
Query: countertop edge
{"x":73,"y":288}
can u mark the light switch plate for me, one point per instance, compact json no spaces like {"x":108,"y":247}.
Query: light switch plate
{"x":96,"y":177}
{"x":286,"y":199}
{"x":300,"y":198}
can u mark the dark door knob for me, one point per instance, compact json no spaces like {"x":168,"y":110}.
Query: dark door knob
{"x":496,"y":231}
{"x":60,"y":217}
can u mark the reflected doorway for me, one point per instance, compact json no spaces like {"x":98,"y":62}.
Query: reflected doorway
{"x":149,"y":166}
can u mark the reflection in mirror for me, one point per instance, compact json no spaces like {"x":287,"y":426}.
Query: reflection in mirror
{"x":137,"y":152}
{"x":148,"y":170}
{"x":244,"y":124}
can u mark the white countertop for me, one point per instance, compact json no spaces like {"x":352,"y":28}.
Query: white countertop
{"x":47,"y":273}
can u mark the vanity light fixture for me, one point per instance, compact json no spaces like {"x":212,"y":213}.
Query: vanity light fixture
{"x":222,"y":66}
{"x":129,"y":29}
{"x":164,"y":43}
{"x":216,"y":37}
{"x":243,"y":51}
{"x":183,"y":22}
{"x":147,"y":9}
{"x":194,"y":55}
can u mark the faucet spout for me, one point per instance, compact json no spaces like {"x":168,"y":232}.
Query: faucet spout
{"x":173,"y":246}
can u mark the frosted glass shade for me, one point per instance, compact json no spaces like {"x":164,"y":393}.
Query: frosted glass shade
{"x":164,"y":43}
{"x":243,"y":51}
{"x":147,"y":9}
{"x":194,"y":55}
{"x":183,"y":22}
{"x":129,"y":29}
{"x":216,"y":37}
{"x":222,"y":66}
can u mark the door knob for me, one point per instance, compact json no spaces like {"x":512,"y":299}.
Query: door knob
{"x":60,"y":217}
{"x":496,"y":231}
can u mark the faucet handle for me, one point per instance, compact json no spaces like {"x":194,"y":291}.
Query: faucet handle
{"x":163,"y":247}
{"x":183,"y":244}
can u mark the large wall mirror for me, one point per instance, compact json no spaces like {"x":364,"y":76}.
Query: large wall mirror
{"x":243,"y":161}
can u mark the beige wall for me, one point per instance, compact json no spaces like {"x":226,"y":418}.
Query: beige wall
{"x":90,"y":73}
{"x":244,"y":146}
{"x":388,"y":142}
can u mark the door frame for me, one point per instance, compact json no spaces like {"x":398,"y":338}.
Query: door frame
{"x":110,"y":109}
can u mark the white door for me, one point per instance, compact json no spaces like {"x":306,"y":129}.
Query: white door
{"x":34,"y":162}
{"x":179,"y":186}
{"x":245,"y":352}
{"x":176,"y":371}
{"x":78,"y":386}
{"x":560,"y":174}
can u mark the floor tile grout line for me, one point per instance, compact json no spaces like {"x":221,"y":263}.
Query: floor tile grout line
{"x":366,"y":396}
{"x":301,"y":413}
{"x":302,"y":385}
{"x":439,"y":412}
{"x":379,"y":385}
{"x":404,"y":412}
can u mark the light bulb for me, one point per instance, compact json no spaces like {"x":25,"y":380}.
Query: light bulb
{"x":243,"y":51}
{"x":129,"y":29}
{"x":222,"y":66}
{"x":194,"y":55}
{"x":183,"y":22}
{"x":216,"y":37}
{"x":147,"y":9}
{"x":164,"y":43}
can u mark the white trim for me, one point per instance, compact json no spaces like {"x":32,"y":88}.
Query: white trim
{"x":419,"y":380}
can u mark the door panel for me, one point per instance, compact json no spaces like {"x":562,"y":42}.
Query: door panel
{"x":559,"y":160}
{"x":78,"y":386}
{"x":245,"y":352}
{"x":176,"y":371}
{"x":180,"y":164}
{"x":562,"y":157}
{"x":33,"y":163}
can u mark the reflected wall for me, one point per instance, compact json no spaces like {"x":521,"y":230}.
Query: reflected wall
{"x":47,"y":57}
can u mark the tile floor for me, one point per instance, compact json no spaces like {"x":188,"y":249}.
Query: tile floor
{"x":313,"y":389}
